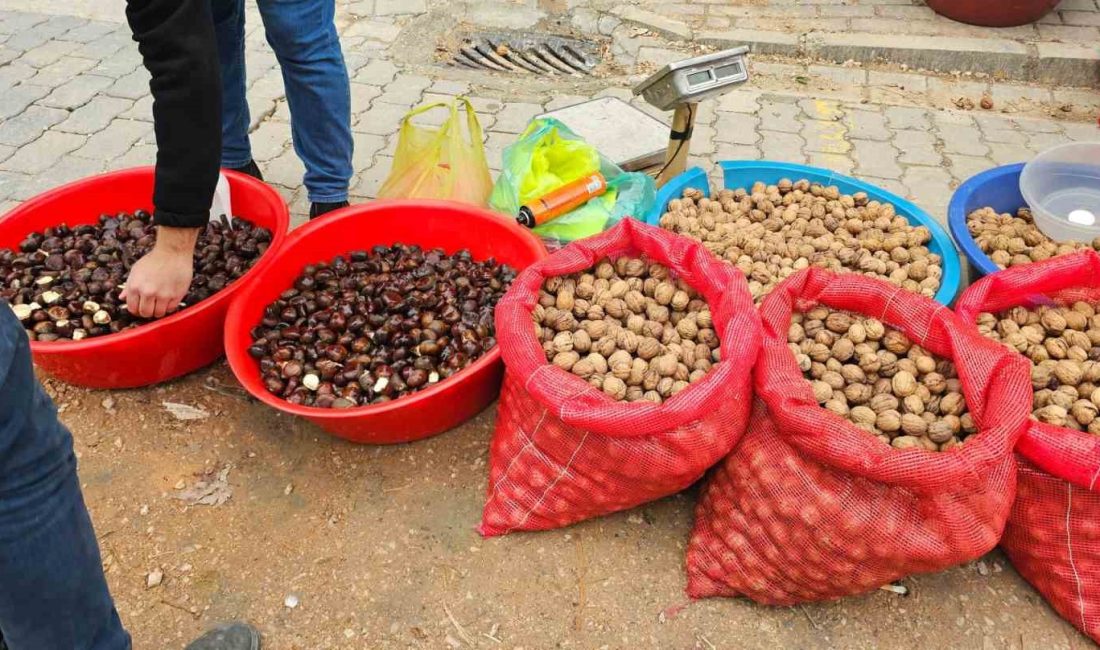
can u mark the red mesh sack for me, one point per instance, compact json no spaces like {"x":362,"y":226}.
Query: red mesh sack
{"x":564,"y":451}
{"x":809,"y":507}
{"x":1053,"y":532}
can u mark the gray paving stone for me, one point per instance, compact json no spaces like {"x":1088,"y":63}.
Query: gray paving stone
{"x":904,"y":117}
{"x":703,"y":142}
{"x":877,"y":158}
{"x":1038,"y":126}
{"x":1039,"y":142}
{"x":124,"y":62}
{"x":821,"y":109}
{"x":14,"y":73}
{"x":88,"y":32}
{"x":374,"y":30}
{"x":449,"y":87}
{"x":495,"y":145}
{"x":782,"y":146}
{"x":381,"y":119}
{"x":779,"y":117}
{"x":739,"y":101}
{"x":66,"y":170}
{"x":405,"y":90}
{"x":952,"y":118}
{"x":371,"y":179}
{"x":141,"y":110}
{"x":27,"y":39}
{"x":76,"y":92}
{"x":959,"y":139}
{"x":1082,"y":132}
{"x":60,"y":71}
{"x":47,"y":53}
{"x":10,"y":182}
{"x":139,"y":155}
{"x":736,"y":152}
{"x":888,"y":184}
{"x":43,"y":153}
{"x":1005,"y":136}
{"x":269,"y":141}
{"x":964,"y":167}
{"x":736,"y":128}
{"x":95,"y":115}
{"x":132,"y":86}
{"x":366,"y":146}
{"x":363,"y":96}
{"x":29,"y":125}
{"x":15,"y":100}
{"x":1006,"y":154}
{"x":866,"y":125}
{"x":515,"y":116}
{"x":917,"y":147}
{"x":5,"y":153}
{"x":376,"y":73}
{"x":113,"y":141}
{"x":285,"y":169}
{"x":831,"y":161}
{"x":399,"y":7}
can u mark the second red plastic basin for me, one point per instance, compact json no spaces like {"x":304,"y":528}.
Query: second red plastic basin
{"x":162,"y":350}
{"x":429,"y":224}
{"x":993,"y":13}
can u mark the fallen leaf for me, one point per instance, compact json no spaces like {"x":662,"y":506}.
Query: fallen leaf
{"x":209,"y":493}
{"x":185,"y":412}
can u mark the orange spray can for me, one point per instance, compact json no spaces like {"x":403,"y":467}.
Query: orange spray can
{"x":562,"y":200}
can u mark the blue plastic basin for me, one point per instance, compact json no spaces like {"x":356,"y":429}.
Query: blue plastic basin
{"x":744,"y":173}
{"x":998,"y":188}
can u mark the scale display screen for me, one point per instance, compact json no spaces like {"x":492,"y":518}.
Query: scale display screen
{"x":701,"y":77}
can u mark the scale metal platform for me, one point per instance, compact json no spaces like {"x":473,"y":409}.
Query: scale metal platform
{"x":628,"y":136}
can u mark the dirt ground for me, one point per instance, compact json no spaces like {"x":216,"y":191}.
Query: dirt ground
{"x":377,"y":547}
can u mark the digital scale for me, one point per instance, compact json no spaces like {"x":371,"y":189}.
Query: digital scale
{"x":636,"y":141}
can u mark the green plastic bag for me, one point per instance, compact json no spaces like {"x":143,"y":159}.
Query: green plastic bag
{"x":548,"y":156}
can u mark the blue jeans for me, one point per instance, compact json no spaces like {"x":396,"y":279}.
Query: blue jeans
{"x":303,"y":35}
{"x":53,"y":595}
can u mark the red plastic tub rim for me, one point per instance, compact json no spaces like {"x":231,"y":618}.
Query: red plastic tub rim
{"x":277,"y":239}
{"x":237,"y":356}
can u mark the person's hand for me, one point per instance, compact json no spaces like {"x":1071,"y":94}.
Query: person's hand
{"x":160,"y":280}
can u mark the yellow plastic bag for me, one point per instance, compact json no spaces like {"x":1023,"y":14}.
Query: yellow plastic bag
{"x":440,"y":163}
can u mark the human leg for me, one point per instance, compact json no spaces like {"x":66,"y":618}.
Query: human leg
{"x":229,"y":28}
{"x":303,"y":35}
{"x":52,"y":590}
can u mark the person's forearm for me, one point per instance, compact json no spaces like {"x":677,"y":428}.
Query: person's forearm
{"x":177,"y":43}
{"x":179,"y":241}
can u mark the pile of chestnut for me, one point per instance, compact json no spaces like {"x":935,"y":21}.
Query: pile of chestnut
{"x":64,"y":283}
{"x":370,"y":327}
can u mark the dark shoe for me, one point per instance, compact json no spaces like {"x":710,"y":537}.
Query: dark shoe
{"x":232,"y":636}
{"x":321,"y":209}
{"x":251,"y":169}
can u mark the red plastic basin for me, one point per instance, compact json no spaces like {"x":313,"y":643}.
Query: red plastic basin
{"x":429,"y":224}
{"x":162,"y":350}
{"x":993,"y":13}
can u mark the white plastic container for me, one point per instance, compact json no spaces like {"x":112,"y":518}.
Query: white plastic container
{"x":1062,"y":187}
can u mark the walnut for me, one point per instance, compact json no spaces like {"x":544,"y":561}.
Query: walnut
{"x":614,"y":387}
{"x":566,"y":360}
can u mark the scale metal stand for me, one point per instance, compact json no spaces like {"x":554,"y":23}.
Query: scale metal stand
{"x":637,"y":141}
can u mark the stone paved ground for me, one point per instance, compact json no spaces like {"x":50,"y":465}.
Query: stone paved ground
{"x":74,"y":102}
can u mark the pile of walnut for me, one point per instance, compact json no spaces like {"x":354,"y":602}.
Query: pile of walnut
{"x":874,"y":376}
{"x":776,"y":230}
{"x":628,"y":328}
{"x":1014,"y":240}
{"x":1063,"y":345}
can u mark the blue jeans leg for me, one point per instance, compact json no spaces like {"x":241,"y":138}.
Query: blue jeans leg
{"x":303,"y":35}
{"x":53,"y":594}
{"x":229,"y":29}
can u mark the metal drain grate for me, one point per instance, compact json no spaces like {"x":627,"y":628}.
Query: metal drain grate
{"x":526,"y":54}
